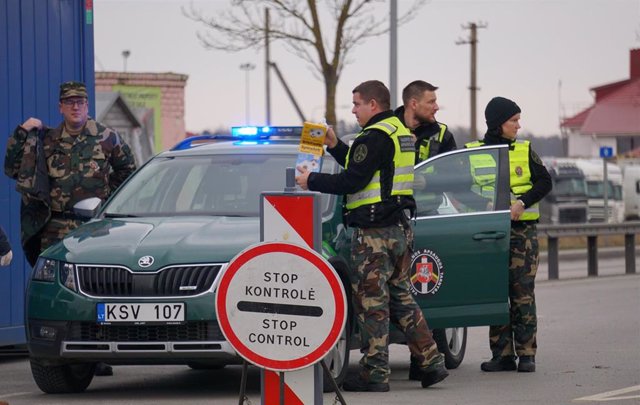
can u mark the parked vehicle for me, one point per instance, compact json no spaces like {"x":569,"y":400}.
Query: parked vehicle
{"x":137,"y":283}
{"x":567,"y":202}
{"x":631,"y":192}
{"x":594,"y":174}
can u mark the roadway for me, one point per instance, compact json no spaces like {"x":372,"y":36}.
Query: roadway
{"x":589,"y":351}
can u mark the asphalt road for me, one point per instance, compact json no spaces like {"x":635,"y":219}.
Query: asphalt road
{"x":589,"y":346}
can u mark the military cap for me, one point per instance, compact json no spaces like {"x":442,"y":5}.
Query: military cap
{"x":72,"y":89}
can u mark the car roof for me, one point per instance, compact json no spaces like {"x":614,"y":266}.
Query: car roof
{"x":226,"y":147}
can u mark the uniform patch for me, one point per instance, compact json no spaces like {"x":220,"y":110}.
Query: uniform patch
{"x":519,"y":171}
{"x":360,"y":153}
{"x":427,"y":272}
{"x":407,"y":144}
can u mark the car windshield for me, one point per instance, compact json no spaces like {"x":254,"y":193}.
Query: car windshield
{"x":595,"y":189}
{"x":218,"y":185}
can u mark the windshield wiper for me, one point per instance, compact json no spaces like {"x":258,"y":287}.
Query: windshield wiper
{"x":115,"y":215}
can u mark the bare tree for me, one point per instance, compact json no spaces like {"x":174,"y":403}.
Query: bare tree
{"x":299,"y":25}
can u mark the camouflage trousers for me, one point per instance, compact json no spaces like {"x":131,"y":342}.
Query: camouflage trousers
{"x":380,"y":285}
{"x":520,"y":333}
{"x":55,"y":230}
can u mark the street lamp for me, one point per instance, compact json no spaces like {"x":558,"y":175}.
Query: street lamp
{"x":247,"y":67}
{"x":125,"y":55}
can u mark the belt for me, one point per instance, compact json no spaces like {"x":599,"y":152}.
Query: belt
{"x":66,"y":215}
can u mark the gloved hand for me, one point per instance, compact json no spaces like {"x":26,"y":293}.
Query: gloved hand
{"x":6,"y":259}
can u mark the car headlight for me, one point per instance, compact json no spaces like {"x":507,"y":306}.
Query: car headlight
{"x":68,"y":276}
{"x":45,"y":270}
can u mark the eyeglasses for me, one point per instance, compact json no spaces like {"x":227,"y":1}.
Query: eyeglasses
{"x":70,"y":102}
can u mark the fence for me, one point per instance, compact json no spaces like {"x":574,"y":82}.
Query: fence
{"x":591,"y":231}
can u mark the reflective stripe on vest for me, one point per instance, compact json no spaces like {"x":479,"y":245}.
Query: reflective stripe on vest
{"x":519,"y":174}
{"x":425,"y":147}
{"x":402,"y":161}
{"x":483,"y":171}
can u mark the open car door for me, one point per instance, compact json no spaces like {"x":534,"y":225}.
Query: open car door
{"x":459,"y":268}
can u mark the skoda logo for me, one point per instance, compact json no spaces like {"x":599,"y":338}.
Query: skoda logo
{"x":145,"y":261}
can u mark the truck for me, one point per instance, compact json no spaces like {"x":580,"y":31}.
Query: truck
{"x":567,"y":202}
{"x":631,"y":192}
{"x":593,"y":170}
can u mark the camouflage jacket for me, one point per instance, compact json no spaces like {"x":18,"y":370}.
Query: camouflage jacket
{"x":91,"y":164}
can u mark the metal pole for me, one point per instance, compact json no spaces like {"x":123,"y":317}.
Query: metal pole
{"x":552,"y":258}
{"x":267,"y":68}
{"x":605,"y":191}
{"x":247,"y":67}
{"x":393,"y":52}
{"x":630,"y":253}
{"x":473,"y":87}
{"x":592,"y":256}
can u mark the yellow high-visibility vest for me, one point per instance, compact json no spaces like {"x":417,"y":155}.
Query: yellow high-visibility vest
{"x":403,"y":161}
{"x":483,"y":169}
{"x":425,"y":145}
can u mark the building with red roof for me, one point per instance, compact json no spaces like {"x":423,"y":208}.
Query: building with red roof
{"x":612,"y":121}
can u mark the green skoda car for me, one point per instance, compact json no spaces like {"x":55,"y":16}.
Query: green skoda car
{"x":136,"y":284}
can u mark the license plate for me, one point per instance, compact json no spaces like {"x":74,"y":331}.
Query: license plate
{"x":172,"y":312}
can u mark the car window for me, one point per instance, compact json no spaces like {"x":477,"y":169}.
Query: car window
{"x":458,"y":183}
{"x":228,"y":185}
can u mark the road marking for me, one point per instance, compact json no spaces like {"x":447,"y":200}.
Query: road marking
{"x":613,"y":395}
{"x":15,"y":394}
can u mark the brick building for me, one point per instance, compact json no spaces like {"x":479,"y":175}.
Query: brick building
{"x":162,"y":94}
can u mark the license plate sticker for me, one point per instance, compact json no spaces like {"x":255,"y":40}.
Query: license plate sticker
{"x":140,"y":313}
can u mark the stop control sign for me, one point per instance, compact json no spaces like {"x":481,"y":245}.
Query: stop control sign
{"x":281,"y":306}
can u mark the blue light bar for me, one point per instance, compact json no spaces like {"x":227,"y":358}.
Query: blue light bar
{"x":253,"y":132}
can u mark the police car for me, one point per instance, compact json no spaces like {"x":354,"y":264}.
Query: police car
{"x":136,"y":283}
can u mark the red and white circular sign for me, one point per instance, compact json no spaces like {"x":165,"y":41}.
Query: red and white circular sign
{"x":281,"y":306}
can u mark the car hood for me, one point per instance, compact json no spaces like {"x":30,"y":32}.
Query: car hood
{"x":174,"y":240}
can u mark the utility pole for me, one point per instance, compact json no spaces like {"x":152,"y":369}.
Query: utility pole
{"x":473,"y":40}
{"x":247,"y":67}
{"x":393,"y":52}
{"x":267,"y":67}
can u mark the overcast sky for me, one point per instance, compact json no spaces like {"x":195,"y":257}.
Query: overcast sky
{"x":527,"y":49}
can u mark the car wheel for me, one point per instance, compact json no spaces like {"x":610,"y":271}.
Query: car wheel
{"x":62,"y":379}
{"x":452,"y":342}
{"x":337,"y":360}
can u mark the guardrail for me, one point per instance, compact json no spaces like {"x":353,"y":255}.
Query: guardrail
{"x":591,"y":231}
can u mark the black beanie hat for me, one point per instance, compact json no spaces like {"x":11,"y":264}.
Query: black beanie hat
{"x":499,"y":110}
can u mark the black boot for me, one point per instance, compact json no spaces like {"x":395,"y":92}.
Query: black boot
{"x":527,"y":364}
{"x":434,"y":372}
{"x":499,"y":364}
{"x":415,"y":373}
{"x":355,"y":382}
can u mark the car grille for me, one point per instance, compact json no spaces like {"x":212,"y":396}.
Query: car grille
{"x":189,"y":331}
{"x":106,"y":281}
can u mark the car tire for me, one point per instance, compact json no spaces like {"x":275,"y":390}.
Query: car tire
{"x":62,"y":379}
{"x":337,"y":360}
{"x":452,"y":343}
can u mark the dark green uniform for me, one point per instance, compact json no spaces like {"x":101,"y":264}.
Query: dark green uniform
{"x":54,"y":170}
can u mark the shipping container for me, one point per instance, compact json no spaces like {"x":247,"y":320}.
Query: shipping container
{"x":42,"y":44}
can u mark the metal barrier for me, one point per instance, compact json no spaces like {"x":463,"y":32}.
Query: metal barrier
{"x":591,"y":231}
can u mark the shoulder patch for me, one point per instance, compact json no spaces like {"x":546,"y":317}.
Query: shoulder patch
{"x":360,"y":153}
{"x":536,"y":158}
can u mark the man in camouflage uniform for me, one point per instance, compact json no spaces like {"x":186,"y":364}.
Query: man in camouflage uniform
{"x":377,"y":184}
{"x":529,"y":182}
{"x":57,"y":167}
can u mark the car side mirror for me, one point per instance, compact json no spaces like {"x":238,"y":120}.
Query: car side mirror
{"x":87,"y":208}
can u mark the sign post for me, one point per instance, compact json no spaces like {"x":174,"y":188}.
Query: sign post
{"x":280,"y":304}
{"x":605,"y":152}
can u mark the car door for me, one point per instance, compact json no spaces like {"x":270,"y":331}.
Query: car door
{"x":459,"y":268}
